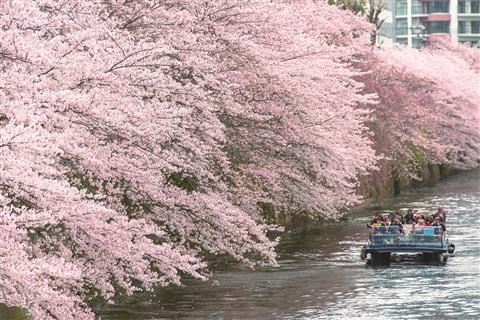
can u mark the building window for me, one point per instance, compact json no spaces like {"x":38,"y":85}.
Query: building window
{"x":401,"y":8}
{"x":461,"y":7}
{"x":439,"y":27}
{"x":440,"y":6}
{"x":462,"y":27}
{"x":402,"y":41}
{"x":401,"y":27}
{"x":475,"y":26}
{"x":417,"y":7}
{"x":475,"y":6}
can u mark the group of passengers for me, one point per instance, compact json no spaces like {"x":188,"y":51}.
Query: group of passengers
{"x":410,"y":220}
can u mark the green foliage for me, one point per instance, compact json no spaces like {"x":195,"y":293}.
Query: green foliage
{"x":424,"y":133}
{"x":268,"y":212}
{"x":130,"y":206}
{"x":417,"y":154}
{"x":417,"y":160}
{"x":13,"y":313}
{"x":81,"y":181}
{"x":182,"y":181}
{"x":356,"y":6}
{"x":370,"y":11}
{"x":41,"y":236}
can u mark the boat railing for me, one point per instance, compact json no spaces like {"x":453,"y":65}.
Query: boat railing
{"x":407,"y":235}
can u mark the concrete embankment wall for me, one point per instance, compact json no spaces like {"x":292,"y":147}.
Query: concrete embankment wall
{"x":385,"y":183}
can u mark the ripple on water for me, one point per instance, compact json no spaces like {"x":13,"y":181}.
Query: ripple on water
{"x":323,"y":277}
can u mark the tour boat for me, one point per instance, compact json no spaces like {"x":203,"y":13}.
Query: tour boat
{"x":430,"y":241}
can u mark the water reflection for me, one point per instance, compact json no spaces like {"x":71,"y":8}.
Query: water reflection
{"x":322,"y":277}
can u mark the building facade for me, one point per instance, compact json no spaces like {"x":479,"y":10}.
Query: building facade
{"x":416,"y":22}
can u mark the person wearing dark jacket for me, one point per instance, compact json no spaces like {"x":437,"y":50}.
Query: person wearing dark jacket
{"x":408,"y":218}
{"x":439,"y":223}
{"x":441,"y":213}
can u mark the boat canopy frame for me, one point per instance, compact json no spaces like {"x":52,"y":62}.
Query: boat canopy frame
{"x":408,"y":238}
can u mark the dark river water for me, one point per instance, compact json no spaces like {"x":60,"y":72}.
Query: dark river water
{"x":322,"y":277}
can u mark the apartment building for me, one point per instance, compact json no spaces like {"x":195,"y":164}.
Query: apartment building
{"x":416,"y":22}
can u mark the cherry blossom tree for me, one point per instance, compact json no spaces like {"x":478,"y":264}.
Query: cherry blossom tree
{"x":426,"y":114}
{"x":297,"y":144}
{"x":137,"y":136}
{"x":372,"y":10}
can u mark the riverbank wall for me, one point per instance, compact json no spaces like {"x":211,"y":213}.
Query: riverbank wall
{"x":385,"y":183}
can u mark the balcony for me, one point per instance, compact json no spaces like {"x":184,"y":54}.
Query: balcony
{"x":438,"y":27}
{"x":439,"y":17}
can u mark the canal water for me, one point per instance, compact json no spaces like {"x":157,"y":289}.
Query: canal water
{"x":322,"y":277}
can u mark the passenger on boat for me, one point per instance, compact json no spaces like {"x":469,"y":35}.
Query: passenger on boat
{"x":391,"y":216}
{"x":421,"y":221}
{"x":412,"y":222}
{"x":416,"y":217}
{"x":398,"y":222}
{"x":429,"y":220}
{"x":439,"y":223}
{"x":386,"y":221}
{"x":408,"y":219}
{"x":378,"y":220}
{"x":375,"y":223}
{"x":441,"y":213}
{"x":399,"y":216}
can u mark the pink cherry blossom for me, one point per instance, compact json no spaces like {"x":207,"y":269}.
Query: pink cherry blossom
{"x":139,"y":137}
